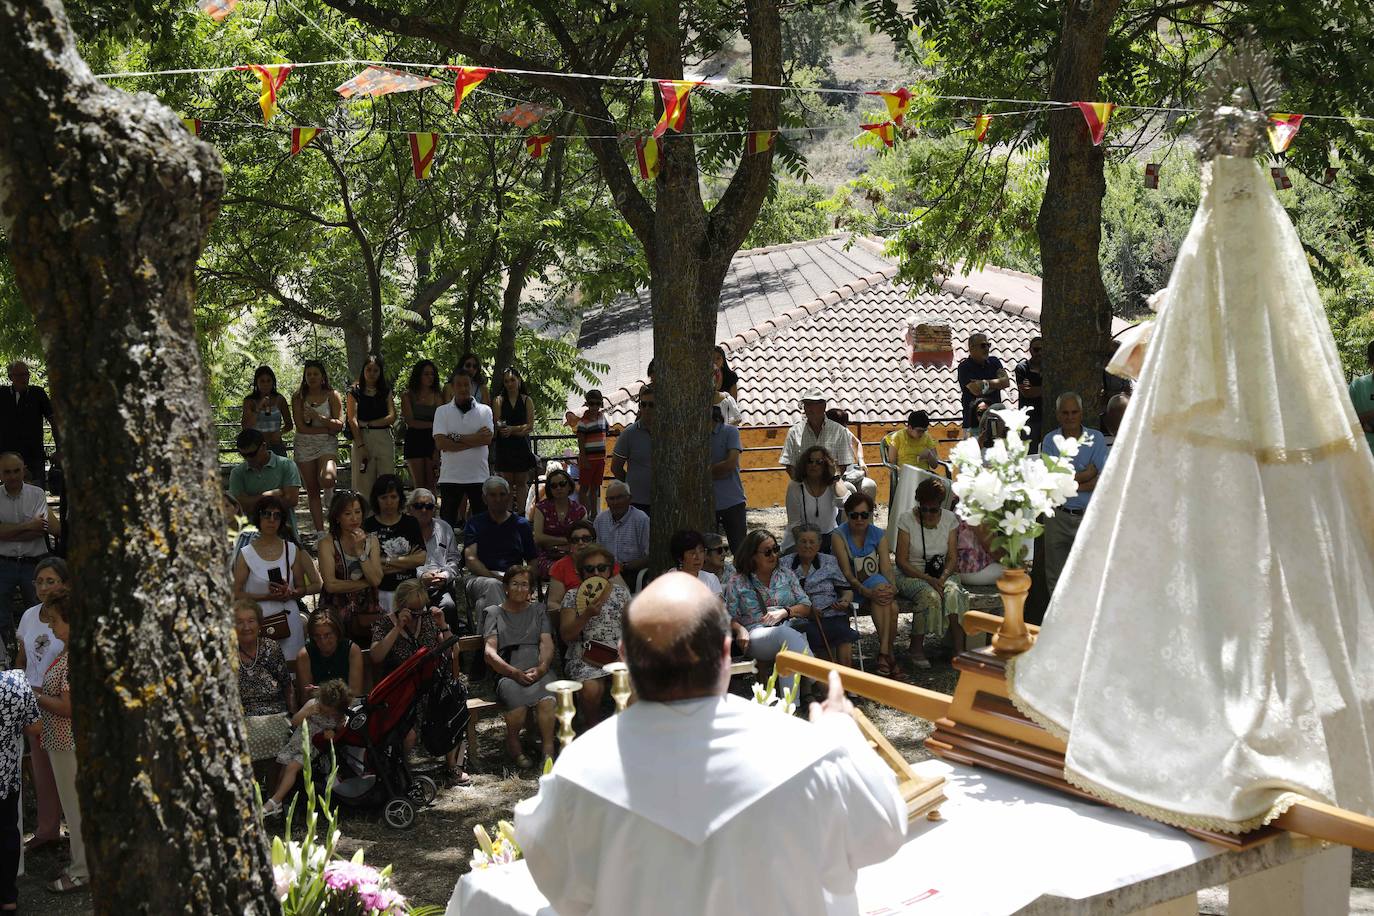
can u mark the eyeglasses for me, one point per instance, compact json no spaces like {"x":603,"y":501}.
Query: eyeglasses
{"x":929,"y":510}
{"x":770,"y":551}
{"x":596,"y":568}
{"x":270,"y":513}
{"x":719,"y":551}
{"x":857,"y":515}
{"x":423,"y":507}
{"x":585,"y":539}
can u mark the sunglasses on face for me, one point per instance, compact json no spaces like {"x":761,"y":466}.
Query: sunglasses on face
{"x":857,"y":515}
{"x":594,"y":568}
{"x":581,"y":540}
{"x":270,"y":513}
{"x":929,"y":510}
{"x":770,"y":551}
{"x":252,"y":454}
{"x":719,"y":551}
{"x":423,"y":507}
{"x":558,"y":483}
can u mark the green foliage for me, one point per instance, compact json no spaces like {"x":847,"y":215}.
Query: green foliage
{"x":792,"y":214}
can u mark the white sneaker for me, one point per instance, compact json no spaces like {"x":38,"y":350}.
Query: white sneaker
{"x":271,"y":808}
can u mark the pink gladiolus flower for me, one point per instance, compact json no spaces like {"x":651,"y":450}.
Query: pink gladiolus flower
{"x":340,"y":875}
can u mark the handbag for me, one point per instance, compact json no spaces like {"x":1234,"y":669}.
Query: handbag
{"x":278,"y":626}
{"x":444,"y":719}
{"x":600,"y":654}
{"x":935,"y":566}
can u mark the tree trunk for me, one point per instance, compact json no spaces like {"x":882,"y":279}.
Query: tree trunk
{"x":1075,"y":312}
{"x":517,"y":274}
{"x":355,"y":337}
{"x":109,"y":200}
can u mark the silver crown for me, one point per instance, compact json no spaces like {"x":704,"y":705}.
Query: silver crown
{"x":1241,"y":90}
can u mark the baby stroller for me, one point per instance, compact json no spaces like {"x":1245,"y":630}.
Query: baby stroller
{"x":370,"y":749}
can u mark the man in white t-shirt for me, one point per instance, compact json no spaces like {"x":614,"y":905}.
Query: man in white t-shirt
{"x":463,"y":429}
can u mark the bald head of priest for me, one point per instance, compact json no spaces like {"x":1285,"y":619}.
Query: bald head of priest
{"x":676,"y":640}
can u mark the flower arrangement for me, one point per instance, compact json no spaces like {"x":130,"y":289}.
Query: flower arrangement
{"x":768,"y":695}
{"x":501,"y":851}
{"x":1008,"y":490}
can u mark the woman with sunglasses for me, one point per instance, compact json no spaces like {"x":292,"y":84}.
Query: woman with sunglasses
{"x":274,"y":572}
{"x":865,"y":556}
{"x":813,"y":496}
{"x":762,"y":598}
{"x":600,"y":620}
{"x":927,"y":549}
{"x":512,"y":456}
{"x":471,"y":366}
{"x":563,"y":575}
{"x":553,"y":518}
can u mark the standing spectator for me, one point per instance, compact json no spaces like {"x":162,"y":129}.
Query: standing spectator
{"x":463,"y":430}
{"x":371,"y":411}
{"x":267,"y":410}
{"x":320,"y":412}
{"x":762,"y":598}
{"x":38,"y":646}
{"x":263,"y":472}
{"x":913,"y":445}
{"x":726,"y":484}
{"x":328,"y":655}
{"x":563,"y":575}
{"x":814,"y":495}
{"x":351,"y":567}
{"x":419,"y":401}
{"x":443,"y":553}
{"x":552,"y":521}
{"x":728,"y":381}
{"x":471,"y":366}
{"x":398,"y":536}
{"x":1030,"y":393}
{"x":25,"y":523}
{"x":264,"y":684}
{"x":19,"y":714}
{"x":688,"y":549}
{"x":856,"y":475}
{"x":865,"y":556}
{"x":598,"y":620}
{"x":519,"y":648}
{"x":827,"y":629}
{"x":728,"y":406}
{"x":624,"y":528}
{"x":591,"y":430}
{"x":274,"y":572}
{"x":1062,"y":527}
{"x":634,"y":446}
{"x":1112,"y":417}
{"x":55,"y":706}
{"x":815,"y":429}
{"x":1362,"y":395}
{"x":494,"y":541}
{"x":927,"y":553}
{"x":512,"y":456}
{"x":23,"y":408}
{"x":981,"y":379}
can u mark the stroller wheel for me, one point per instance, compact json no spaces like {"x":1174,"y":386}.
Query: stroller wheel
{"x":399,"y":813}
{"x":423,"y":790}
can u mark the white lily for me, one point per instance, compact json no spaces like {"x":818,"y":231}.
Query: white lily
{"x":1018,"y":522}
{"x":967,"y":454}
{"x":1016,"y":419}
{"x":1066,"y":446}
{"x":988,"y":492}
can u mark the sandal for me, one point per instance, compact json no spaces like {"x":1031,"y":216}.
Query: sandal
{"x":459,"y":777}
{"x":884,"y":666}
{"x":66,"y":884}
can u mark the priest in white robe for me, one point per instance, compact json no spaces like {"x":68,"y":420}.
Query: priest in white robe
{"x":695,"y":801}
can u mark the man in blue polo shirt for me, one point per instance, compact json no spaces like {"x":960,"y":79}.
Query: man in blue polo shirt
{"x":495,"y":541}
{"x":1062,"y":527}
{"x":263,"y":473}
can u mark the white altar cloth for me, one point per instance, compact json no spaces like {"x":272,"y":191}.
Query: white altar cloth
{"x":1002,"y":845}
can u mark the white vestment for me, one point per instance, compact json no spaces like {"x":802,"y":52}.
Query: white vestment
{"x":1208,"y":653}
{"x":716,"y":805}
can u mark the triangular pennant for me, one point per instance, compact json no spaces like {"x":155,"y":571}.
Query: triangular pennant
{"x":301,"y":137}
{"x":1281,"y":179}
{"x":523,"y":114}
{"x":537,"y":144}
{"x":468,"y":78}
{"x":674,"y":104}
{"x":272,"y":76}
{"x":898,"y":103}
{"x":980,"y":127}
{"x":1282,"y":129}
{"x":1152,"y":175}
{"x":886,"y":131}
{"x":378,"y":81}
{"x":192,"y":124}
{"x":759,"y":141}
{"x":1097,"y":114}
{"x":647,"y":153}
{"x":1331,"y":172}
{"x":217,"y":9}
{"x":422,"y":147}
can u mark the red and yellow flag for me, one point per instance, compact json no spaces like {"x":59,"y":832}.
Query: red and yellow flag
{"x":886,"y":131}
{"x":523,"y":114}
{"x":379,"y":81}
{"x":647,"y":153}
{"x":1282,"y":129}
{"x":898,"y":103}
{"x":1281,"y":180}
{"x":217,"y":10}
{"x":759,"y":141}
{"x":674,"y":104}
{"x":980,"y":127}
{"x":422,"y":147}
{"x":468,"y":78}
{"x":1152,"y":174}
{"x":272,"y":76}
{"x":301,"y":137}
{"x":192,"y":124}
{"x":1097,"y":114}
{"x":537,"y":144}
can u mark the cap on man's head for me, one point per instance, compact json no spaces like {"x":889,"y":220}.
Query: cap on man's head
{"x":815,"y":394}
{"x":594,"y":398}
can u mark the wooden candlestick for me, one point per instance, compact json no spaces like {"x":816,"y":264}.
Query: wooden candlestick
{"x":1012,"y":637}
{"x":620,"y":684}
{"x":564,"y":690}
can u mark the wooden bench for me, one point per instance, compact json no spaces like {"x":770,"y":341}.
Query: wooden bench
{"x":478,"y":708}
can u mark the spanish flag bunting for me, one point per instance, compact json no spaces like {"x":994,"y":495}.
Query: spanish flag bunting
{"x":468,"y":78}
{"x":886,"y":131}
{"x":192,"y":124}
{"x":1331,"y":172}
{"x":1152,"y":175}
{"x":301,"y":137}
{"x":1281,"y":180}
{"x":980,"y":127}
{"x":272,"y":76}
{"x":898,"y":103}
{"x":378,"y":81}
{"x":1097,"y":114}
{"x":217,"y":10}
{"x":759,"y":141}
{"x":422,"y":147}
{"x":523,"y":114}
{"x":674,"y":104}
{"x":1282,"y":129}
{"x":537,"y":144}
{"x":647,"y":153}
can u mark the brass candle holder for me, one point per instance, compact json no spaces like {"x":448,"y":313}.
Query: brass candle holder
{"x":620,"y":684}
{"x":564,"y":690}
